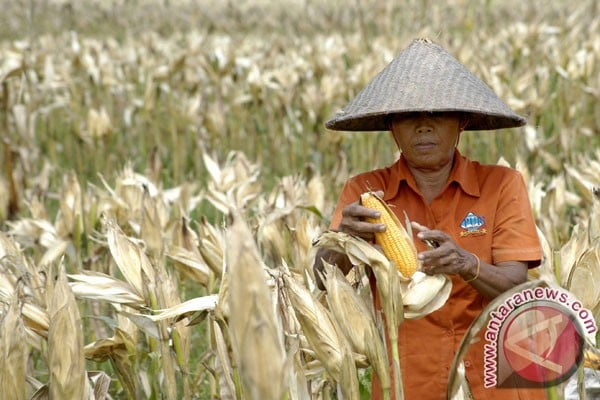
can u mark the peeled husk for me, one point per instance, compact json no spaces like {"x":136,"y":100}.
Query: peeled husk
{"x":362,"y":253}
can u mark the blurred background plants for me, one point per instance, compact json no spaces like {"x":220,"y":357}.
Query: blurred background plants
{"x":138,"y":129}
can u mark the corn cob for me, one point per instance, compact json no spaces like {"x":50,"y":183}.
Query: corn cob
{"x":395,"y":242}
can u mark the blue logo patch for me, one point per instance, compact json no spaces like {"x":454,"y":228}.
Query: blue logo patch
{"x":473,"y":225}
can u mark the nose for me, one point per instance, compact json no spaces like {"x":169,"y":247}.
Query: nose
{"x":424,"y":128}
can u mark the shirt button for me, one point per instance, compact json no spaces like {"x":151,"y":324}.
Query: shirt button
{"x":467,"y":364}
{"x":449,"y":332}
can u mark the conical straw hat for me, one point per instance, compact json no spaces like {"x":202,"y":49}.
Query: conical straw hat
{"x":425,"y":78}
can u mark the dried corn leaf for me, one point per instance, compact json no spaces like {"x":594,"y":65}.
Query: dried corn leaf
{"x":190,"y":263}
{"x":99,"y":286}
{"x":185,"y":309}
{"x":103,"y":349}
{"x":100,"y":383}
{"x":8,"y":247}
{"x":223,"y":364}
{"x":421,"y":291}
{"x":56,"y":249}
{"x":36,"y":319}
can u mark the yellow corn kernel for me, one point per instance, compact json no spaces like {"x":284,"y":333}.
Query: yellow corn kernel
{"x":395,"y":242}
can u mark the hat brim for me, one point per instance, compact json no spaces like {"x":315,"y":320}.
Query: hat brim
{"x":378,"y":121}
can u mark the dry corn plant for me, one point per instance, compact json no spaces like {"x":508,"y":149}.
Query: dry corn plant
{"x":289,"y":219}
{"x":134,"y":290}
{"x":358,"y":323}
{"x":42,"y":310}
{"x":255,"y":332}
{"x":147,"y":286}
{"x":322,"y":345}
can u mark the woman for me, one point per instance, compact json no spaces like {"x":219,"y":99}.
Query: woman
{"x":479,"y":215}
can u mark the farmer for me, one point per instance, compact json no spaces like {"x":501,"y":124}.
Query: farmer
{"x":479,"y":215}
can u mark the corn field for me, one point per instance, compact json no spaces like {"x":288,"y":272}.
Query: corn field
{"x":167,"y":177}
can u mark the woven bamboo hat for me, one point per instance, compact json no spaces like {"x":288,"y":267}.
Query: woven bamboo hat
{"x":425,"y":78}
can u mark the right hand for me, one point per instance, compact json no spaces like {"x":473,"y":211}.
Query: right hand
{"x":354,"y":223}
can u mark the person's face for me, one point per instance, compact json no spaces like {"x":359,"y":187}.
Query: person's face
{"x":427,"y":140}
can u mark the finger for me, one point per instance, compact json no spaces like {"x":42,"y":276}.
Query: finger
{"x":440,"y":261}
{"x":359,"y":227}
{"x":355,"y":210}
{"x":432,"y":258}
{"x":434,"y":235}
{"x":419,"y":227}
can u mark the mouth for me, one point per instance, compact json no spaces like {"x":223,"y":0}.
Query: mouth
{"x":425,"y":145}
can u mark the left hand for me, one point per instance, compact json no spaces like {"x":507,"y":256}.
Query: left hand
{"x":447,"y":257}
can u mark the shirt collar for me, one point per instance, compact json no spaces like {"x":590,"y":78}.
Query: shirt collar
{"x":463,"y":172}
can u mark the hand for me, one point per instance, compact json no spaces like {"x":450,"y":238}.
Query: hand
{"x":447,"y":257}
{"x":354,"y":223}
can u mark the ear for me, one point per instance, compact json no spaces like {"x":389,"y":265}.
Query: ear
{"x":394,"y":139}
{"x":463,"y":122}
{"x":389,"y":120}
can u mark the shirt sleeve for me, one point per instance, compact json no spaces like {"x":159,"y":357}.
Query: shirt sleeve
{"x":515,"y":236}
{"x":354,"y":187}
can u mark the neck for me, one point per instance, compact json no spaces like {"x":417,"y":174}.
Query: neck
{"x":431,"y":182}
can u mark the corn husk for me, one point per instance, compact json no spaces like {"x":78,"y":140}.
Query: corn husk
{"x":184,"y":251}
{"x":584,"y":278}
{"x":357,"y":322}
{"x":254,"y":331}
{"x":13,"y":353}
{"x":129,"y":257}
{"x":320,"y":330}
{"x":211,"y":246}
{"x":66,"y":363}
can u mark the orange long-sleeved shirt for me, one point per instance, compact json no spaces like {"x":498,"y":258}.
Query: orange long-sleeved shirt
{"x":486,"y":210}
